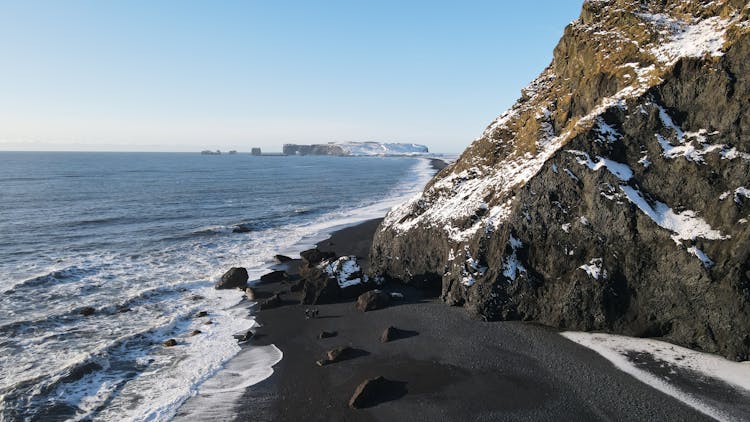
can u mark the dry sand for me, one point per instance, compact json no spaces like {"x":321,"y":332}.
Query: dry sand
{"x":448,"y":366}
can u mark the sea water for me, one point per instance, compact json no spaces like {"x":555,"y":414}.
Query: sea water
{"x":141,"y":238}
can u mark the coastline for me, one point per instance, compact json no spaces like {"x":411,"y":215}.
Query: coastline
{"x":443,"y":366}
{"x":214,"y":399}
{"x":450,"y":366}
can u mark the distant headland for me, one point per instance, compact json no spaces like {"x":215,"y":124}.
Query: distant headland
{"x":341,"y":149}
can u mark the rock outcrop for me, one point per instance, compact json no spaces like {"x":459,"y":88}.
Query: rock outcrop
{"x":235,"y":278}
{"x":372,"y":300}
{"x":274,"y":277}
{"x":326,"y":278}
{"x":614,"y":195}
{"x":374,"y":391}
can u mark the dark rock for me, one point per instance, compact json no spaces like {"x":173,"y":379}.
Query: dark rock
{"x":372,"y":300}
{"x":390,"y":334}
{"x":235,"y":278}
{"x":272,"y":302}
{"x":576,"y":243}
{"x":274,"y":277}
{"x":169,"y":343}
{"x":327,"y":334}
{"x":298,"y":286}
{"x":195,"y":332}
{"x":282,"y":259}
{"x":242,"y":228}
{"x":245,"y":336}
{"x":250,"y":293}
{"x":374,"y":391}
{"x":201,"y":314}
{"x":87,"y":311}
{"x":337,"y":355}
{"x":320,"y":289}
{"x":313,"y":257}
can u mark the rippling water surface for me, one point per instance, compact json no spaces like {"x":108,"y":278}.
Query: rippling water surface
{"x":141,"y":237}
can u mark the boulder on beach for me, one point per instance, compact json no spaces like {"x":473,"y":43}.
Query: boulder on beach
{"x":327,"y":334}
{"x":169,"y":343}
{"x":348,"y":274}
{"x":281,"y":259}
{"x":320,"y":290}
{"x":272,"y":302}
{"x":274,"y":277}
{"x":235,"y":278}
{"x":312,"y":257}
{"x":372,"y":300}
{"x":374,"y":391}
{"x":250,"y":293}
{"x":336,"y":355}
{"x":245,"y":336}
{"x":391,"y":333}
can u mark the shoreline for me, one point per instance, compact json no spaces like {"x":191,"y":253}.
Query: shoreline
{"x":196,"y":404}
{"x":449,"y":366}
{"x":445,"y":366}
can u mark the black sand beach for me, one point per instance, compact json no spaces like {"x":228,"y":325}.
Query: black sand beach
{"x":445,"y":366}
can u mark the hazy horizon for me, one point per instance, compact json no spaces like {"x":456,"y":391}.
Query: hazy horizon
{"x":187,"y":76}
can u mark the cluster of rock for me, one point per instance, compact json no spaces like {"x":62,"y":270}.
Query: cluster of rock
{"x":371,"y":391}
{"x":324,"y":277}
{"x":614,"y":195}
{"x":327,"y":278}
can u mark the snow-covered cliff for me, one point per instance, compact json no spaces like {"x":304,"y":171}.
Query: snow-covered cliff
{"x":356,"y":149}
{"x":613,"y":195}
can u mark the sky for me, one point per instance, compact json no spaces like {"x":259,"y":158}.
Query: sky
{"x":191,"y":75}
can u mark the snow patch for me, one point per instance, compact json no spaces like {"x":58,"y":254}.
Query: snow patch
{"x":617,"y":349}
{"x":684,"y":225}
{"x":594,"y":269}
{"x":343,"y":270}
{"x":687,"y":39}
{"x":512,"y":266}
{"x":619,"y":170}
{"x":707,"y":262}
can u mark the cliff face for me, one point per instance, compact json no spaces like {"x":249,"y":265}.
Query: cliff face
{"x":315,"y":149}
{"x":614,"y":195}
{"x":356,"y":149}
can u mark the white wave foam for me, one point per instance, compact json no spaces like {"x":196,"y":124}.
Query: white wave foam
{"x":180,"y":370}
{"x":218,"y":396}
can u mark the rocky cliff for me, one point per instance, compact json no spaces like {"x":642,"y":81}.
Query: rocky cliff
{"x":356,"y":149}
{"x":614,"y":195}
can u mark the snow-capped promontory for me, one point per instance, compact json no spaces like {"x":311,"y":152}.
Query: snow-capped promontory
{"x":356,"y":149}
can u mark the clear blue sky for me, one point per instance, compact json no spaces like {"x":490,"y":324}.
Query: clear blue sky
{"x":187,"y":75}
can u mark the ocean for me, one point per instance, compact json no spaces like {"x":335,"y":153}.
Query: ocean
{"x":141,"y":238}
